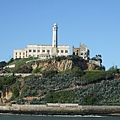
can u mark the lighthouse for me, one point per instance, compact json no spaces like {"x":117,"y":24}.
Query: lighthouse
{"x":55,"y":39}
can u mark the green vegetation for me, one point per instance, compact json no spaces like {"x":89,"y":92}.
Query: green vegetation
{"x":66,"y":88}
{"x":2,"y":64}
{"x":20,"y":61}
{"x":49,"y":74}
{"x":95,"y":87}
{"x":22,"y":69}
{"x":37,"y":70}
{"x":103,"y":93}
{"x":21,"y":65}
{"x":7,"y":81}
{"x":76,"y":72}
{"x":59,"y":58}
{"x":60,"y":97}
{"x":10,"y":61}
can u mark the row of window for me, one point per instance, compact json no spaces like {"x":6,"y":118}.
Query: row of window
{"x":43,"y":51}
{"x":78,"y":54}
{"x":48,"y":51}
{"x":19,"y":53}
{"x":40,"y":56}
{"x":19,"y":57}
{"x":62,"y":51}
{"x":39,"y":51}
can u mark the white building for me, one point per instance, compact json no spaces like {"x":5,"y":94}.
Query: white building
{"x":44,"y":51}
{"x":82,"y":52}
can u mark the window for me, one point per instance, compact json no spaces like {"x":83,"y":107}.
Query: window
{"x":16,"y":53}
{"x":61,"y":51}
{"x":38,"y":50}
{"x":81,"y":53}
{"x":58,"y":51}
{"x":43,"y":50}
{"x":20,"y":53}
{"x":83,"y":49}
{"x":66,"y":51}
{"x":30,"y":50}
{"x":34,"y":50}
{"x":48,"y":51}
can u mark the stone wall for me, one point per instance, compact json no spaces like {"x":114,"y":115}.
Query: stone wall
{"x":43,"y":109}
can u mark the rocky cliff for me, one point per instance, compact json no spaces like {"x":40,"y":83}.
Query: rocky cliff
{"x":6,"y":95}
{"x":64,"y":65}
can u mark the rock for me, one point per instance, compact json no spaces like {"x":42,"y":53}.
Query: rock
{"x":64,"y":65}
{"x":8,"y":94}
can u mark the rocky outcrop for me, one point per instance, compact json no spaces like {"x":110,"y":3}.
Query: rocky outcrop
{"x":93,"y":67}
{"x":64,"y":65}
{"x":8,"y":94}
{"x":1,"y":97}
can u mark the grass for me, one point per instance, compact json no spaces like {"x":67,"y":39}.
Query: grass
{"x":19,"y":62}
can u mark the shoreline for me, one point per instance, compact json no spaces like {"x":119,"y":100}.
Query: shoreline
{"x":45,"y":110}
{"x":75,"y":116}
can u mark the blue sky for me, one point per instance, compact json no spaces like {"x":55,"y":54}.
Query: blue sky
{"x":95,"y":23}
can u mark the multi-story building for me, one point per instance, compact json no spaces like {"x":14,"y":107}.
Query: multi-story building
{"x":44,"y":51}
{"x":82,"y":51}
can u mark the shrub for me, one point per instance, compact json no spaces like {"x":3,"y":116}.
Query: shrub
{"x":49,"y":73}
{"x":37,"y":70}
{"x":76,"y":72}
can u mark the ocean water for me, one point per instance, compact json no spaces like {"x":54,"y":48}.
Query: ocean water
{"x":32,"y":117}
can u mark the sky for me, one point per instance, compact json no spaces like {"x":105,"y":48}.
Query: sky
{"x":95,"y":23}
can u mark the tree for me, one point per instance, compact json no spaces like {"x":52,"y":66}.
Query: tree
{"x":49,"y":73}
{"x":11,"y":60}
{"x":37,"y":70}
{"x":114,"y":69}
{"x":2,"y":64}
{"x":77,"y":72}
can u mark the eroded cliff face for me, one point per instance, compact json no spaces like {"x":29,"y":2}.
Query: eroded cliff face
{"x":93,"y":67}
{"x":8,"y":94}
{"x":64,"y":65}
{"x":4,"y":97}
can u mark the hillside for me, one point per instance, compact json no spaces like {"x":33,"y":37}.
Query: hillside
{"x":92,"y":88}
{"x":60,"y":80}
{"x":34,"y":65}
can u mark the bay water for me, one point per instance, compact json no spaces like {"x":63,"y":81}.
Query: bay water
{"x":33,"y":117}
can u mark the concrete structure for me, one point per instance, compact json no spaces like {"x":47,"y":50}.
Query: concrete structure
{"x":44,"y":51}
{"x":55,"y":40}
{"x":61,"y":110}
{"x":9,"y":66}
{"x":82,"y":51}
{"x":95,"y":62}
{"x":61,"y":105}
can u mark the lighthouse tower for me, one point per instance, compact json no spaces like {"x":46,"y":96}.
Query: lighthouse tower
{"x":54,"y":40}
